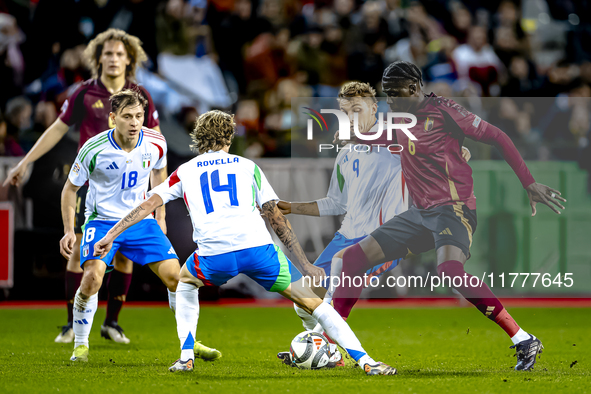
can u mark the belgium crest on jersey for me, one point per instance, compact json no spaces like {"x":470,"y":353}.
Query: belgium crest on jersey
{"x":429,"y":124}
{"x":146,"y":159}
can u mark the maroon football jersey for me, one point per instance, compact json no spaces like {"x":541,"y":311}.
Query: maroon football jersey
{"x":89,"y":106}
{"x":433,"y":166}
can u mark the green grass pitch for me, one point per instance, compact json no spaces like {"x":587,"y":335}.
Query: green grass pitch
{"x":435,"y":350}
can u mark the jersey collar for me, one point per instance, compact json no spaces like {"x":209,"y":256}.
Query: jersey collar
{"x":101,"y":85}
{"x":111,"y":136}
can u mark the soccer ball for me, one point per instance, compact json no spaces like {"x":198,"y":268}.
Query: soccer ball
{"x":310,"y":350}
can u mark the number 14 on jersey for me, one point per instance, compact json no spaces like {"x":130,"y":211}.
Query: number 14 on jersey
{"x":230,"y":187}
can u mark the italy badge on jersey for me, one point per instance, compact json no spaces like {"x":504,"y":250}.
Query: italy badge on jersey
{"x":146,"y":158}
{"x":85,"y":251}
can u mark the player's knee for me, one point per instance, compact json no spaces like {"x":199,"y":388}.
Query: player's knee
{"x":171,"y":281}
{"x":91,"y":282}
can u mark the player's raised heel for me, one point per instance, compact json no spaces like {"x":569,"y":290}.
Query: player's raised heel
{"x":182,"y":366}
{"x":379,"y":369}
{"x":526,"y":352}
{"x":80,"y":354}
{"x":115,"y":333}
{"x":285,"y":357}
{"x":67,"y":334}
{"x":206,"y":353}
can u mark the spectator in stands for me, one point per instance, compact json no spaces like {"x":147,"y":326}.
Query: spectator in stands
{"x":459,"y":23}
{"x":12,"y":65}
{"x":8,"y":143}
{"x":18,"y":125}
{"x":523,"y":79}
{"x":478,"y":62}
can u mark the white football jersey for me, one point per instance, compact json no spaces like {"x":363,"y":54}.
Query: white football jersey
{"x":117,"y":180}
{"x":366,"y":185}
{"x":221,"y":192}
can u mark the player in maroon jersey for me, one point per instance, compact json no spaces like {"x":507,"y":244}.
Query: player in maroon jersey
{"x":440,"y":184}
{"x":113,"y":57}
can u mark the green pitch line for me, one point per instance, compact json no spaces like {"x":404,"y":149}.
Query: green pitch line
{"x":435,"y":350}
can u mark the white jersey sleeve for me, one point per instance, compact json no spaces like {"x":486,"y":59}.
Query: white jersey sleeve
{"x":263,"y":190}
{"x":335,"y":202}
{"x":170,"y":189}
{"x":157,"y":139}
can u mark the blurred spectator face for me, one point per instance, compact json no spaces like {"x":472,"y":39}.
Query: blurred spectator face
{"x":416,"y":13}
{"x":371,"y":15}
{"x":477,"y":38}
{"x":286,"y":90}
{"x":519,"y":68}
{"x":70,"y":59}
{"x":8,"y":26}
{"x":175,"y":8}
{"x":508,"y":109}
{"x":508,"y":13}
{"x":114,"y":59}
{"x":364,"y":108}
{"x":333,"y":34}
{"x":18,"y":112}
{"x":392,"y":4}
{"x":314,"y":39}
{"x":271,"y":9}
{"x":441,"y":89}
{"x":461,"y":18}
{"x":505,"y":39}
{"x":282,"y":38}
{"x":344,"y":7}
{"x":243,"y":8}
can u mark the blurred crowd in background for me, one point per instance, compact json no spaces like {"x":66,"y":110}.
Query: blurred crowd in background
{"x":252,"y":56}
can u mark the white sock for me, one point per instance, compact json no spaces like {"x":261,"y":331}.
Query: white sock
{"x":187,"y":315}
{"x":172,"y":301}
{"x":340,"y":332}
{"x":307,"y":319}
{"x":335,"y":272}
{"x":84,"y":310}
{"x":520,"y":336}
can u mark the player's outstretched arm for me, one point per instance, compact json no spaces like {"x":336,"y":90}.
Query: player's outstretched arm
{"x":157,"y":176}
{"x":283,"y":229}
{"x":48,"y":140}
{"x":68,"y":217}
{"x":102,"y":247}
{"x":299,"y":208}
{"x":536,"y":192}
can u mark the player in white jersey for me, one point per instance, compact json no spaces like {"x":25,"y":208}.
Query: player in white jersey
{"x":117,"y":164}
{"x":222,"y":192}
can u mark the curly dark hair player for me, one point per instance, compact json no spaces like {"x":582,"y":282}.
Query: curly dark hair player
{"x":440,"y":184}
